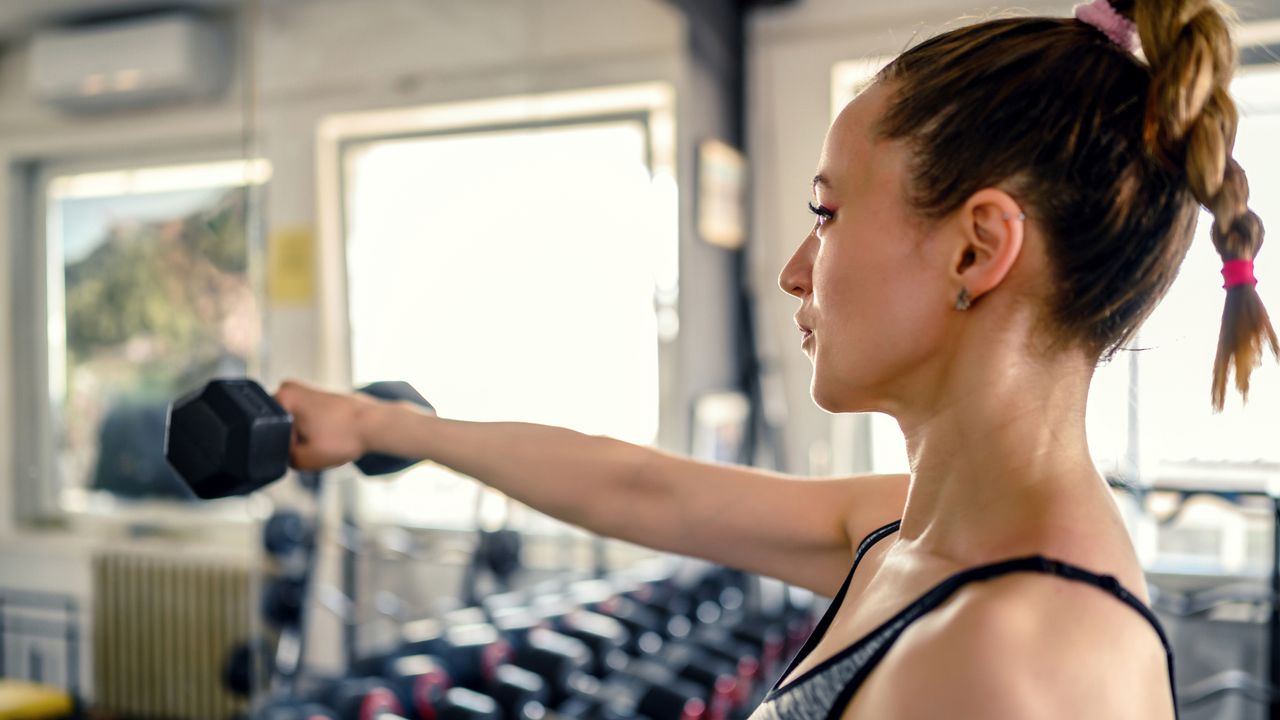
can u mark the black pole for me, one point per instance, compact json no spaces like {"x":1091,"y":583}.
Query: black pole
{"x":350,"y":566}
{"x":3,"y":647}
{"x":73,"y":649}
{"x":1273,"y":621}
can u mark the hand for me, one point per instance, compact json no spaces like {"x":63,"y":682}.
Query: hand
{"x":327,"y":427}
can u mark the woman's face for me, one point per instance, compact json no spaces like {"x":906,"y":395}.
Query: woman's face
{"x":872,"y":288}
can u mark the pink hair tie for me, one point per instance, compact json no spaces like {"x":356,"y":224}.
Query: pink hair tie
{"x":1119,"y":28}
{"x":1238,"y":272}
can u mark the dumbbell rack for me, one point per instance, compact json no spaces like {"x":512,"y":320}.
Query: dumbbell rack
{"x":288,"y":663}
{"x":486,"y":649}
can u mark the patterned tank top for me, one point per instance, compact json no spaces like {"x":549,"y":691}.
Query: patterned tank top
{"x":825,"y":690}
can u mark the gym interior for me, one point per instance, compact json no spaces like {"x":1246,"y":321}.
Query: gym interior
{"x":204,"y":198}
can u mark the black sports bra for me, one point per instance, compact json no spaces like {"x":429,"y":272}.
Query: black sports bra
{"x":824,"y":691}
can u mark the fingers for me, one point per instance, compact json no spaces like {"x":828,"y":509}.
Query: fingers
{"x":323,"y":433}
{"x":288,"y":392}
{"x":292,"y":395}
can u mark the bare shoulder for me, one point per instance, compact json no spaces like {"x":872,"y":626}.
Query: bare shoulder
{"x":1025,"y":645}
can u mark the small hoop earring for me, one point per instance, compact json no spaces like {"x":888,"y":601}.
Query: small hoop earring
{"x":1021,"y":216}
{"x":963,"y":301}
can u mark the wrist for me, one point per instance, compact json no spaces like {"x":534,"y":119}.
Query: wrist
{"x":370,"y":419}
{"x":381,"y":424}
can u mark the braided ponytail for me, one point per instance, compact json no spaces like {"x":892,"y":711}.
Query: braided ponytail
{"x":1190,"y":124}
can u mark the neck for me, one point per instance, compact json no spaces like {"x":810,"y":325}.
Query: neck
{"x":996,"y":455}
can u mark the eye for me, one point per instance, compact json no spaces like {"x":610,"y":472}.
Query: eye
{"x":823,"y":214}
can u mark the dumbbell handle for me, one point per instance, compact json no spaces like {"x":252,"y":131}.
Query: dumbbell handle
{"x":394,"y":390}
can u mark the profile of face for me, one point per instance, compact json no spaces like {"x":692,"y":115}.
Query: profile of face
{"x":858,"y":273}
{"x":876,"y":287}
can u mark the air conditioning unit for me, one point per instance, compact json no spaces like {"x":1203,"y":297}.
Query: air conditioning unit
{"x":143,"y":61}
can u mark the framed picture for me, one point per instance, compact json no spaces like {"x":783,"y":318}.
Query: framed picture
{"x":722,"y":193}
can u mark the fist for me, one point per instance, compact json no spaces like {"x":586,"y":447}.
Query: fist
{"x":327,"y":427}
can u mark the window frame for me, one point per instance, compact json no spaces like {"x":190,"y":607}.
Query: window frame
{"x":37,"y":482}
{"x":651,"y":105}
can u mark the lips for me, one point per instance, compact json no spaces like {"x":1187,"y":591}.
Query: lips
{"x":805,"y":331}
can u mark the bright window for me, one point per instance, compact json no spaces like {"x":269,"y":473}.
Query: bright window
{"x":509,"y":275}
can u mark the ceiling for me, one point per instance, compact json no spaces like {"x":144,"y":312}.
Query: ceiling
{"x":20,"y":17}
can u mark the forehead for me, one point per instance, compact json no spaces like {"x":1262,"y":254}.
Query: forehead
{"x":850,"y":161}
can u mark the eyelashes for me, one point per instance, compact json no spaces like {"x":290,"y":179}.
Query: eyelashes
{"x":822,"y":213}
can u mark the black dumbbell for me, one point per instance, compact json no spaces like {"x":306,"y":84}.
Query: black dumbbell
{"x":522,"y":694}
{"x":600,"y":633}
{"x":362,"y":699}
{"x":554,"y":657}
{"x":420,"y":682}
{"x":285,"y":532}
{"x":458,"y":704}
{"x":464,"y":704}
{"x":718,"y":677}
{"x":478,"y":656}
{"x":474,"y":656}
{"x":293,"y":710}
{"x":247,"y":667}
{"x":472,"y":653}
{"x":635,"y":689}
{"x":646,"y":626}
{"x":515,"y":623}
{"x":653,"y":689}
{"x":282,"y":600}
{"x":231,"y":437}
{"x":423,"y":684}
{"x":769,"y":639}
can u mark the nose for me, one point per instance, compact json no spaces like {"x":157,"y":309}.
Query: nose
{"x":796,"y":277}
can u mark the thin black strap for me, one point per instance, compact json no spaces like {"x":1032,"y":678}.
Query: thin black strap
{"x":872,"y":538}
{"x":944,"y":590}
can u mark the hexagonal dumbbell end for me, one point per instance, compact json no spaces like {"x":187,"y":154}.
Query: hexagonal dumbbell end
{"x":228,"y":438}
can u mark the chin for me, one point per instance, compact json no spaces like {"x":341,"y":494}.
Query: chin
{"x":840,"y":398}
{"x":832,"y":401}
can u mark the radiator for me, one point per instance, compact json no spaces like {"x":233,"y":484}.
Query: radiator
{"x":163,"y":627}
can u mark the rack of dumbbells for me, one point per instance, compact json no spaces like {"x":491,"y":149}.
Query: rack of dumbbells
{"x":688,"y":646}
{"x":696,"y":642}
{"x":1253,"y":607}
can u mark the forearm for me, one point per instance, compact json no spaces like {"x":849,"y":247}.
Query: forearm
{"x":563,"y":473}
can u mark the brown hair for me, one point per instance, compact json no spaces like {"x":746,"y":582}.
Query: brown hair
{"x":1111,"y":156}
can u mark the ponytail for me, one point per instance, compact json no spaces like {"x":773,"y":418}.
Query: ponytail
{"x":1190,"y":124}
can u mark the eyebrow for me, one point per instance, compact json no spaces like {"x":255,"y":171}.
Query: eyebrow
{"x":820,"y":180}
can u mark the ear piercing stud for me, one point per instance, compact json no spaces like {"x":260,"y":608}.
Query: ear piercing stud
{"x":963,"y":301}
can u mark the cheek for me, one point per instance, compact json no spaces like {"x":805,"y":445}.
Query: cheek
{"x":882,"y":310}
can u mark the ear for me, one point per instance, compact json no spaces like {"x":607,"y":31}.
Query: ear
{"x":989,"y":242}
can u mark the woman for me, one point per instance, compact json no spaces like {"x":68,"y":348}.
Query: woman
{"x":998,"y":211}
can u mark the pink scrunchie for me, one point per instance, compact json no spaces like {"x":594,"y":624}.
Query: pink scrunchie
{"x":1120,"y":29}
{"x":1238,"y":272}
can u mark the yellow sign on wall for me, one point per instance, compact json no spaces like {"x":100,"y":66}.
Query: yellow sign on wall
{"x":291,"y":265}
